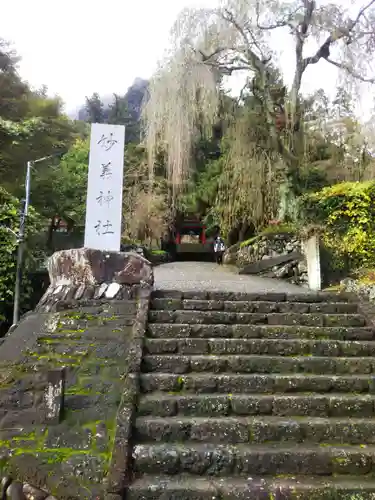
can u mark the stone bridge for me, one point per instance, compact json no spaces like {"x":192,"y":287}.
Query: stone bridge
{"x":204,"y":386}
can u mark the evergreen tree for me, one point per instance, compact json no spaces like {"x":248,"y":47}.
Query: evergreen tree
{"x":94,"y":109}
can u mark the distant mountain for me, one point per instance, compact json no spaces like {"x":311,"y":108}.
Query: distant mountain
{"x":135,"y":96}
{"x":133,"y":99}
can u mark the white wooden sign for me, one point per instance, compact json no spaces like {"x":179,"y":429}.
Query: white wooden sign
{"x":104,"y":187}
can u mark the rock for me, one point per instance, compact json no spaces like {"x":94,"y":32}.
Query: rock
{"x":85,"y":266}
{"x":15,"y":491}
{"x":32,"y":493}
{"x":5,"y":483}
{"x":112,"y":290}
{"x":265,"y":249}
{"x":302,"y":267}
{"x":367,"y":291}
{"x":284,"y":271}
{"x":229,"y":258}
{"x":269,"y":263}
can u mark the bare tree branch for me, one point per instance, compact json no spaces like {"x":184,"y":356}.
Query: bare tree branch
{"x":206,"y":57}
{"x":255,"y":41}
{"x":228,"y":70}
{"x":340,"y":33}
{"x":362,"y":12}
{"x":227,"y":67}
{"x":301,"y":32}
{"x":242,"y":93}
{"x":184,"y":94}
{"x":260,"y":66}
{"x":309,"y":6}
{"x":251,"y":55}
{"x":279,"y":24}
{"x":349,"y":70}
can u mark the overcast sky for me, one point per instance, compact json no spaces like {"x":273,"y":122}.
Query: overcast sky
{"x":77,"y":47}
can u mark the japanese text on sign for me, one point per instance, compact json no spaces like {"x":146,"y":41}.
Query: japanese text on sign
{"x":104,"y":187}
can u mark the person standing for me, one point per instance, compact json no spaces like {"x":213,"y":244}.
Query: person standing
{"x":219,"y":249}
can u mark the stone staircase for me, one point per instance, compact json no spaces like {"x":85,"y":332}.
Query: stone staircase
{"x":255,"y":397}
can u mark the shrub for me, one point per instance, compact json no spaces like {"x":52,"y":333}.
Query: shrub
{"x":9,"y":221}
{"x":346,"y":212}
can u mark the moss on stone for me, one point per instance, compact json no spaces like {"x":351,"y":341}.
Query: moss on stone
{"x":58,"y":356}
{"x":15,"y":373}
{"x":76,"y":390}
{"x":91,"y":426}
{"x":4,"y":465}
{"x":79,"y":315}
{"x":73,"y":331}
{"x":88,"y":371}
{"x":55,"y":455}
{"x":72,"y":322}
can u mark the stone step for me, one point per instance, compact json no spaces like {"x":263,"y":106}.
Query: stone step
{"x":311,"y":297}
{"x":256,"y":430}
{"x":178,"y":331}
{"x":253,"y":488}
{"x":279,"y":347}
{"x":229,"y":383}
{"x":254,"y":307}
{"x":159,"y":404}
{"x":228,"y":318}
{"x":245,"y":363}
{"x":243,"y":460}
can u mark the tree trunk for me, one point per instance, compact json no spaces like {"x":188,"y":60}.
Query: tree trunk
{"x":52,"y":228}
{"x":243,"y":230}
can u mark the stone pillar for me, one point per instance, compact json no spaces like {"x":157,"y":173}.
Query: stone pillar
{"x":312,"y":251}
{"x":69,"y":377}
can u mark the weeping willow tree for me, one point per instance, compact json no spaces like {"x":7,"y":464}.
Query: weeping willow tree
{"x":254,"y":201}
{"x":146,"y":214}
{"x":182,"y":105}
{"x":241,"y":36}
{"x":247,"y":195}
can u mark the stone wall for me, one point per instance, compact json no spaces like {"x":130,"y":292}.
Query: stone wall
{"x":365,"y":291}
{"x":68,"y":378}
{"x":268,"y":247}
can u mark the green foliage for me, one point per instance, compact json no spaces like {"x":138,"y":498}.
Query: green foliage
{"x":159,"y":252}
{"x":118,"y":111}
{"x":346,"y":212}
{"x":123,"y":110}
{"x":200,"y":196}
{"x":312,"y":179}
{"x":249,"y":242}
{"x":281,"y":228}
{"x":94,"y":109}
{"x":270,"y":231}
{"x":146,"y":212}
{"x":61,"y":189}
{"x":32,"y":138}
{"x":32,"y":125}
{"x":9,"y":224}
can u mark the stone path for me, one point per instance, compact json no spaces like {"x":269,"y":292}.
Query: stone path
{"x":208,"y":276}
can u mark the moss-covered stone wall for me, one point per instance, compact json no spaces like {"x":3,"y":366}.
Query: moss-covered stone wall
{"x":67,"y":387}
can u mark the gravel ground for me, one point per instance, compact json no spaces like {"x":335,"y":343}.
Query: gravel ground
{"x":209,"y":276}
